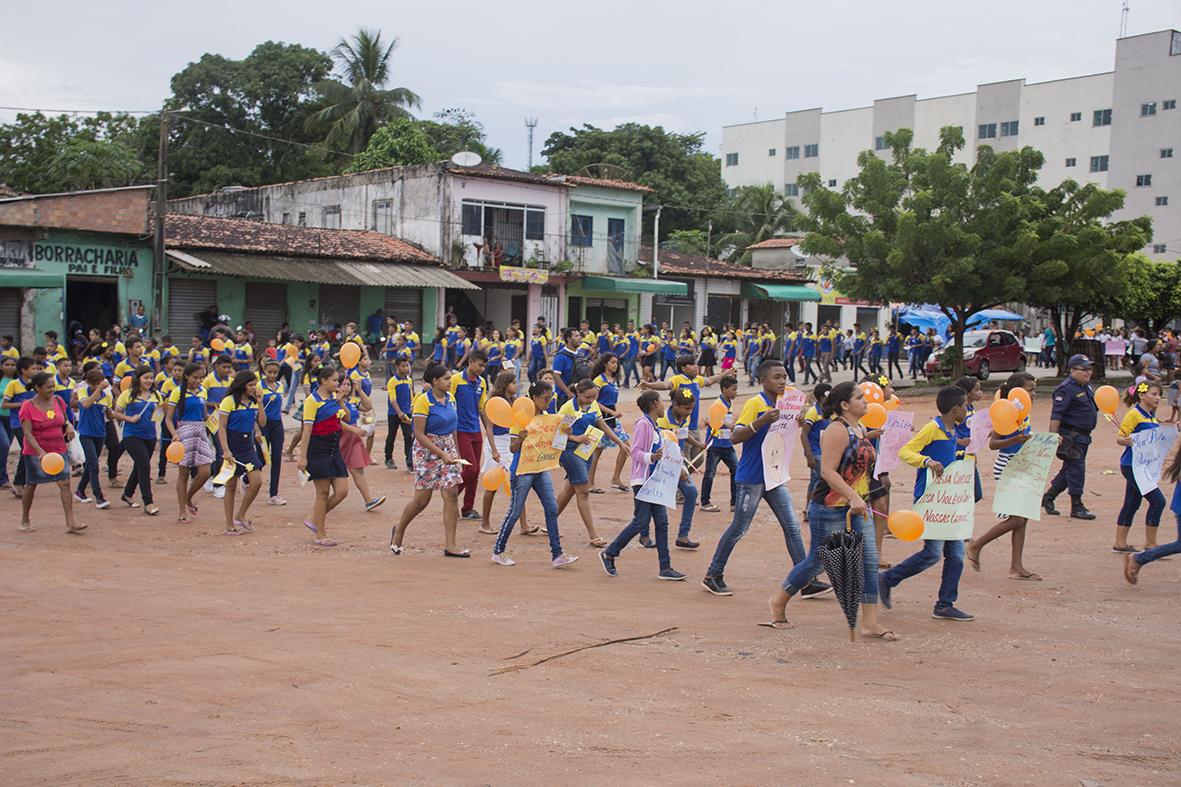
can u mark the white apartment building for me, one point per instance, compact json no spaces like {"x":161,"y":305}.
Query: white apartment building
{"x":1119,"y":129}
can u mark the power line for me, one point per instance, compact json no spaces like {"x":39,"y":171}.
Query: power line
{"x":85,"y":111}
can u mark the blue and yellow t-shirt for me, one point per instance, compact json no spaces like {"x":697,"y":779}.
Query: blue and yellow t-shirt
{"x":934,"y":441}
{"x":145,"y":427}
{"x":92,"y":419}
{"x":240,"y":416}
{"x":400,"y":390}
{"x":721,"y":436}
{"x":215,"y":388}
{"x":470,"y":397}
{"x":190,"y":405}
{"x":750,"y":463}
{"x":818,"y":423}
{"x":272,"y":399}
{"x":441,"y":416}
{"x":608,"y":391}
{"x":693,"y":386}
{"x":679,"y":428}
{"x":584,"y":418}
{"x":323,"y":414}
{"x":19,"y":392}
{"x":1135,"y":420}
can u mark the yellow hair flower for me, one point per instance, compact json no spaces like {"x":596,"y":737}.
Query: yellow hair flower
{"x":1142,"y":388}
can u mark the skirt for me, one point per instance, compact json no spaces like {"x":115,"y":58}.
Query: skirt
{"x":35,"y":475}
{"x":431,"y":472}
{"x":727,"y":363}
{"x":606,"y":443}
{"x":244,"y":451}
{"x":352,"y":451}
{"x":502,"y":442}
{"x":198,"y":449}
{"x":324,"y":460}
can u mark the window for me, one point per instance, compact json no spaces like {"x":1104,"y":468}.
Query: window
{"x":1076,"y":117}
{"x":879,"y":143}
{"x":1169,"y":103}
{"x":383,"y":216}
{"x":1098,"y":163}
{"x":731,"y":159}
{"x":1101,"y":117}
{"x":1166,"y":152}
{"x":535,"y":225}
{"x":832,"y":184}
{"x":1009,"y":128}
{"x":330,"y":217}
{"x":1159,"y":248}
{"x":811,"y":151}
{"x":286,"y":218}
{"x":772,"y":151}
{"x":1148,"y":109}
{"x":791,"y":190}
{"x":582,"y":228}
{"x":1162,"y":201}
{"x":303,"y":219}
{"x":986,"y":131}
{"x":1071,"y":162}
{"x":793,"y":152}
{"x":1144,"y":180}
{"x":1040,"y":120}
{"x":472,"y":218}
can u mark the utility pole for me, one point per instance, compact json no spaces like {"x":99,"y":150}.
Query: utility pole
{"x":656,"y":244}
{"x":158,"y":263}
{"x":1123,"y":20}
{"x":530,"y":124}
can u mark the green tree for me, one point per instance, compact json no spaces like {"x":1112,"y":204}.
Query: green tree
{"x":688,"y":242}
{"x":922,"y":228}
{"x":685,"y":178}
{"x":94,"y":164}
{"x":1153,"y":293}
{"x":755,"y":213}
{"x":359,"y":103}
{"x":42,"y":154}
{"x":399,"y":142}
{"x":453,"y":130}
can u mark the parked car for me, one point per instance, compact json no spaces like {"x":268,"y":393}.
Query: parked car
{"x":985,"y":352}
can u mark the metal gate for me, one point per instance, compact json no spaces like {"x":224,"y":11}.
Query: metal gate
{"x":339,"y":304}
{"x":266,"y":311}
{"x":404,"y":303}
{"x":186,"y":299}
{"x":10,"y":316}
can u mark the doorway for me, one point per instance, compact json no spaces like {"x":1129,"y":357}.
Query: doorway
{"x":92,"y":303}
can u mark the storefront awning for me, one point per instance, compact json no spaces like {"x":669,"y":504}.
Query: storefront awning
{"x":780,"y":292}
{"x":317,"y":270}
{"x":655,"y":286}
{"x":30,"y":277}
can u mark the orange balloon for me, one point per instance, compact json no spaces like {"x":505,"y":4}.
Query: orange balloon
{"x":175,"y":452}
{"x":493,"y":478}
{"x":350,"y":355}
{"x":905,"y":525}
{"x":292,"y":351}
{"x":217,"y":343}
{"x":875,"y":416}
{"x":893,"y":403}
{"x":652,"y":347}
{"x":1023,"y":401}
{"x":1107,"y":398}
{"x":717,"y":415}
{"x":53,"y":464}
{"x":499,"y":411}
{"x":873,"y":392}
{"x":1005,"y":416}
{"x":668,"y":434}
{"x":523,"y":411}
{"x":125,"y":383}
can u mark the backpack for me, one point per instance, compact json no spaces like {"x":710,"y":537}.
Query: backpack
{"x":582,"y":370}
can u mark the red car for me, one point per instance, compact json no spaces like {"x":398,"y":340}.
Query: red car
{"x":985,"y":352}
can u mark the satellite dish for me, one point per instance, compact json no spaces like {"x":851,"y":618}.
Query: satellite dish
{"x":466,"y":158}
{"x":603,"y":170}
{"x":796,"y":250}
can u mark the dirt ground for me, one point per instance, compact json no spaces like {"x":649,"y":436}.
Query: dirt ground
{"x":149,"y":652}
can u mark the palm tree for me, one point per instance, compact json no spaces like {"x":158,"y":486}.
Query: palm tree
{"x":756,"y":213}
{"x":358,"y":105}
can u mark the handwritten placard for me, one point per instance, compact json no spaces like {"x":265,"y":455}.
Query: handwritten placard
{"x":948,"y":503}
{"x":895,"y":433}
{"x":563,"y":429}
{"x":587,"y":449}
{"x":661,"y":486}
{"x":1023,"y":481}
{"x":981,"y":426}
{"x":1149,"y":449}
{"x":781,"y":438}
{"x":538,"y":453}
{"x":1114,"y":347}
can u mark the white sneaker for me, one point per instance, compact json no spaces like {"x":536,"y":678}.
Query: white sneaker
{"x":561,"y":561}
{"x":503,"y":560}
{"x":82,"y":499}
{"x":219,"y":492}
{"x":208,"y":487}
{"x":103,"y":504}
{"x":278,"y":501}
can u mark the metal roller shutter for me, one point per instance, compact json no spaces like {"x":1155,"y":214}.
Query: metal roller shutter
{"x":339,"y":304}
{"x":404,"y":303}
{"x":10,"y":314}
{"x":186,"y":299}
{"x":266,"y":310}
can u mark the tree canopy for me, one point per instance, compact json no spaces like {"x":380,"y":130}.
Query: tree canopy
{"x":754,"y":214}
{"x":44,"y":154}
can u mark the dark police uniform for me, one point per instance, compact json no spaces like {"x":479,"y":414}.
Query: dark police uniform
{"x":1075,"y":410}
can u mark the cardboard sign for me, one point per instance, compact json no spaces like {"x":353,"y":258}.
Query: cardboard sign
{"x":587,"y":449}
{"x":537,"y":452}
{"x":661,"y":486}
{"x":782,"y":436}
{"x":981,"y":426}
{"x":896,"y":432}
{"x":1023,"y":481}
{"x":1149,"y":449}
{"x":948,"y":502}
{"x":1114,"y":347}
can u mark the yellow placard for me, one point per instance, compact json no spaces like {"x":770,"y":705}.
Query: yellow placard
{"x":587,"y":449}
{"x":537,"y":452}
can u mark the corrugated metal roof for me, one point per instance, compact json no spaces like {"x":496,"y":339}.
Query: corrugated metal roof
{"x":320,"y":271}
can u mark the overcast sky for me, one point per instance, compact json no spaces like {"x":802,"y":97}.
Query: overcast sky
{"x":688,"y":66}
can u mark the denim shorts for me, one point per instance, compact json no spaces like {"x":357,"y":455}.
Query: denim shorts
{"x":577,"y":469}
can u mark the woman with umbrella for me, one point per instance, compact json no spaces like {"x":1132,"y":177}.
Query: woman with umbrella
{"x":838,"y":505}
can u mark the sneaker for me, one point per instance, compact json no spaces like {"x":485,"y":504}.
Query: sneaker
{"x":208,"y":487}
{"x":83,"y":499}
{"x":278,"y":501}
{"x":671,"y":574}
{"x":951,"y":613}
{"x":815,"y":589}
{"x":470,"y":515}
{"x":503,"y":560}
{"x":375,"y":502}
{"x":161,"y":479}
{"x":219,"y":492}
{"x":717,"y":586}
{"x":884,"y":591}
{"x":710,"y":507}
{"x":389,"y":465}
{"x":647,"y":543}
{"x":561,"y":561}
{"x":608,"y":564}
{"x":102,"y":504}
{"x":687,"y":543}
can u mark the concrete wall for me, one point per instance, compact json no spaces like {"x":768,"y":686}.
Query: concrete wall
{"x":604,"y":204}
{"x":753,"y":142}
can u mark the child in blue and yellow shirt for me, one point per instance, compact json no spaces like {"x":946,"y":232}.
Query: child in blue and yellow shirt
{"x":719,"y":448}
{"x":1144,"y":398}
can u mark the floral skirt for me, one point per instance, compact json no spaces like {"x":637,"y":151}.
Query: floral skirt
{"x":431,"y":472}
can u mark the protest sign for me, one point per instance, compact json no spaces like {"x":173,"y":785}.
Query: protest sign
{"x":565,"y":422}
{"x":1023,"y":481}
{"x":585,"y":450}
{"x":948,"y":502}
{"x":1114,"y":347}
{"x":1149,"y":449}
{"x":537,"y":451}
{"x":781,"y":438}
{"x":661,"y":486}
{"x":896,"y":431}
{"x":981,"y":426}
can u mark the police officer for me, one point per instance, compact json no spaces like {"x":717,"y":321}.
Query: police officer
{"x":1073,"y":416}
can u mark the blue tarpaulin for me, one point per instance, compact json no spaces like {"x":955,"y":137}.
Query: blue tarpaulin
{"x":924,"y":316}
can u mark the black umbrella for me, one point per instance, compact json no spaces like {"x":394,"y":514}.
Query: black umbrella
{"x":842,"y":554}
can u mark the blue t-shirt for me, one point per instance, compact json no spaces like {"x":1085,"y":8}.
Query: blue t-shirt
{"x":750,"y":463}
{"x":470,"y":396}
{"x":145,"y":427}
{"x":441,"y":417}
{"x":403,"y":394}
{"x":240,"y":416}
{"x":92,"y":420}
{"x":190,"y":405}
{"x":608,"y":391}
{"x":564,"y":365}
{"x":272,"y":400}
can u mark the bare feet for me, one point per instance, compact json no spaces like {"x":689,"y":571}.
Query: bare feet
{"x":1131,"y":569}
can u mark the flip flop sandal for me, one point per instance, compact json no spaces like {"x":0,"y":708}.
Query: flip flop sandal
{"x":776,"y":624}
{"x":621,"y":487}
{"x":308,"y":524}
{"x":245,"y":524}
{"x":599,"y":543}
{"x":76,"y":529}
{"x":325,"y":542}
{"x":488,"y":532}
{"x":532,"y":532}
{"x":192,"y":509}
{"x":396,"y":549}
{"x":231,"y":532}
{"x":597,"y":491}
{"x":1027,"y":577}
{"x":1131,"y":570}
{"x":888,"y":636}
{"x":1128,"y":549}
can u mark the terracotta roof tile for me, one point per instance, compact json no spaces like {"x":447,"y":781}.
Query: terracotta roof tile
{"x":246,"y":235}
{"x":674,"y":262}
{"x":504,"y":173}
{"x":776,"y":243}
{"x":609,"y":183}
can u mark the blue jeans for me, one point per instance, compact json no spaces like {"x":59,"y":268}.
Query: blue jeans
{"x":92,"y":447}
{"x":1132,"y":496}
{"x":823,"y":521}
{"x":753,"y":367}
{"x":686,"y":488}
{"x":629,"y":370}
{"x":1164,"y":550}
{"x":749,"y":496}
{"x":543,"y":487}
{"x":713,"y":456}
{"x":296,"y":377}
{"x":577,"y":469}
{"x":952,"y":553}
{"x":536,"y":364}
{"x":644,"y":512}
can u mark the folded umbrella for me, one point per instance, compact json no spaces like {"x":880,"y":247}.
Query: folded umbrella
{"x":842,"y":554}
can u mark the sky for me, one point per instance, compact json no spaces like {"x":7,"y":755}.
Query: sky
{"x":688,"y":66}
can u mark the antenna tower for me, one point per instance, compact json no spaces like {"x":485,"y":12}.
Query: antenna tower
{"x":530,"y":124}
{"x":1123,"y":20}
